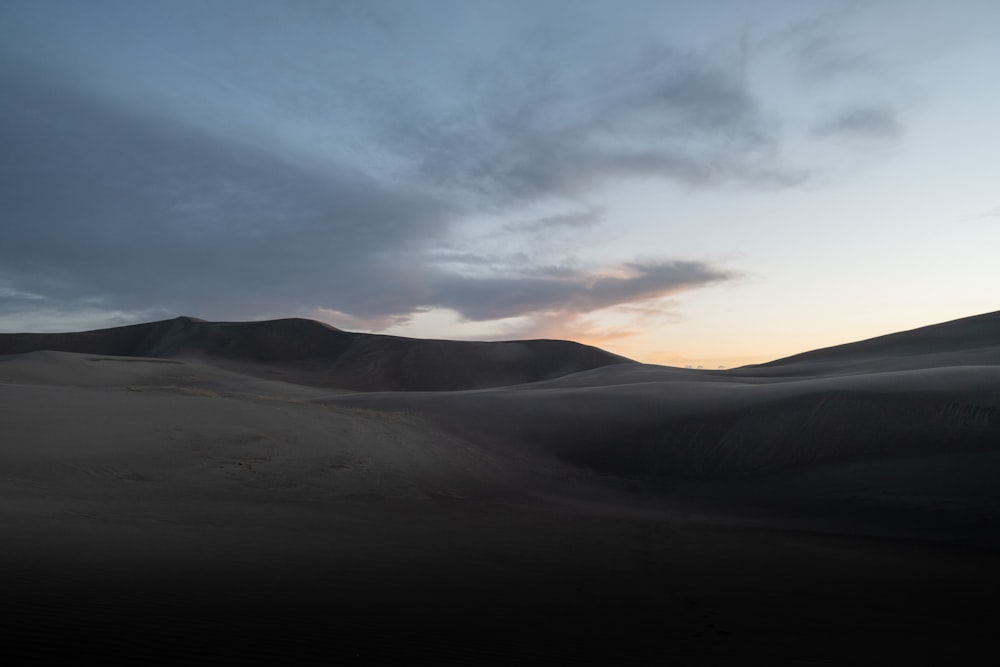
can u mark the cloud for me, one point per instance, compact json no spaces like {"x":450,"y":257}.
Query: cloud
{"x":615,"y":324}
{"x":991,"y":213}
{"x":140,"y":213}
{"x":819,"y":58}
{"x":570,"y":291}
{"x":531,"y":127}
{"x":133,"y":214}
{"x":848,"y":88}
{"x":866,"y":123}
{"x":286,"y":160}
{"x":573,"y":221}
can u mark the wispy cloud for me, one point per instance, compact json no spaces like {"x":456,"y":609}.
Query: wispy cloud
{"x":867,"y":123}
{"x":562,"y":222}
{"x":526,"y":131}
{"x":570,"y":291}
{"x":820,"y":58}
{"x":991,"y":213}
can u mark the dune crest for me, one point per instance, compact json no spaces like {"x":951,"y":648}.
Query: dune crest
{"x":313,"y":353}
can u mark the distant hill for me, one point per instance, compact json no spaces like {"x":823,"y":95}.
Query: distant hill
{"x":309,"y":352}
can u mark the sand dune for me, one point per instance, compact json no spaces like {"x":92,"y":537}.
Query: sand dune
{"x":659,"y":424}
{"x":725,"y":428}
{"x":968,"y":341}
{"x":199,"y":491}
{"x":309,"y":352}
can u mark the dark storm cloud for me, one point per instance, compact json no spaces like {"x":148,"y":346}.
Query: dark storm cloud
{"x":104,"y":205}
{"x":570,"y":291}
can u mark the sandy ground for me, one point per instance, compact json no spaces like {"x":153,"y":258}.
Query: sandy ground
{"x":171,"y":511}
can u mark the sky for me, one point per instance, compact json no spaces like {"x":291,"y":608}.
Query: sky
{"x":695,"y":183}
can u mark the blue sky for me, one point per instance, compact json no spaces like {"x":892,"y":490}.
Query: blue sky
{"x":690,"y":183}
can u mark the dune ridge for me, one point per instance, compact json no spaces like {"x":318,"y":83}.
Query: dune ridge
{"x":310,"y":352}
{"x":965,"y":341}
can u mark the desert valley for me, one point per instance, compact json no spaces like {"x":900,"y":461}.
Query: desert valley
{"x":284,"y":491}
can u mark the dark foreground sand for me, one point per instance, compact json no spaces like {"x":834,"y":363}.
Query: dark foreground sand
{"x":841,"y":508}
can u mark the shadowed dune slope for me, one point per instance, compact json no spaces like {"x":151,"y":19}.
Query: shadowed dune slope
{"x":931,"y":391}
{"x":308,"y":352}
{"x":968,"y":341}
{"x":658,"y":432}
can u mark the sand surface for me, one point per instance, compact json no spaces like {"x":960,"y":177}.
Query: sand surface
{"x":837,"y":508}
